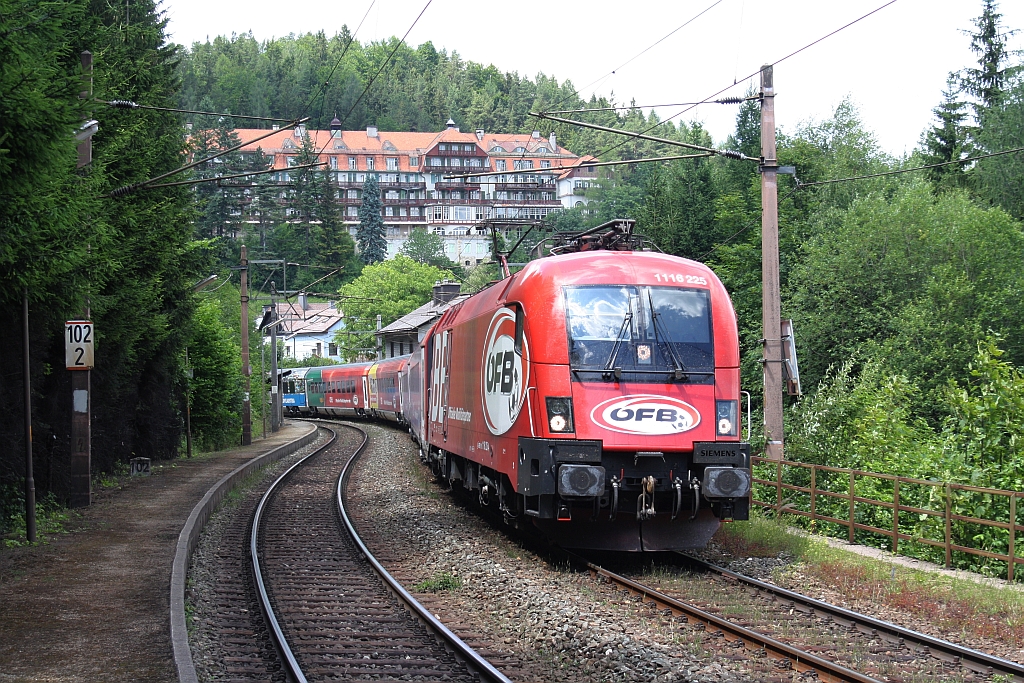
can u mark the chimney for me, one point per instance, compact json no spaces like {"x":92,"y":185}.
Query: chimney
{"x":276,"y":126}
{"x":480,"y":134}
{"x":371,"y":131}
{"x":303,"y":301}
{"x":445,"y":291}
{"x":554,"y":145}
{"x":536,"y":135}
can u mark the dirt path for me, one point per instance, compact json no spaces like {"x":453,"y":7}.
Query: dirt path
{"x":93,"y":605}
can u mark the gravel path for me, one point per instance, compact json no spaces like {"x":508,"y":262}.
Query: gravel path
{"x":93,"y":605}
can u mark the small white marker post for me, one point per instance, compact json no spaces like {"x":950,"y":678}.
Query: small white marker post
{"x":79,"y":337}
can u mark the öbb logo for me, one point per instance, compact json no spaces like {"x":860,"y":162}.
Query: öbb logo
{"x":505,"y":373}
{"x":646,"y":414}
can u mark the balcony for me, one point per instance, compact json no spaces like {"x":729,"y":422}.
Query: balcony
{"x":515,"y":187}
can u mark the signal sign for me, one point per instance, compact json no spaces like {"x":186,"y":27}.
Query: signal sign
{"x":78,"y":344}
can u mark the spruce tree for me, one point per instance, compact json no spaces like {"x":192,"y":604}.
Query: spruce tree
{"x":373,"y":248}
{"x":947,"y":140}
{"x":986,"y":83}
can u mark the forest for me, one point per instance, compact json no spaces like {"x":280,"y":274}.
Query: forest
{"x":904,"y":288}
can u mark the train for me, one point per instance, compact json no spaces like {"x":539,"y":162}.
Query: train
{"x":594,"y":394}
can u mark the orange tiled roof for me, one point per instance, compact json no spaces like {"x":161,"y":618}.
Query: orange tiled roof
{"x":387,"y":144}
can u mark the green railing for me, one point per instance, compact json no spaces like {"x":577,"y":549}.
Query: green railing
{"x":949,"y":517}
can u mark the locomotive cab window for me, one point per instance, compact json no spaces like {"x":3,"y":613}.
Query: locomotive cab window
{"x":636,"y":333}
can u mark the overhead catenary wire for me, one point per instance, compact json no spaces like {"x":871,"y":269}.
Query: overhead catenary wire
{"x":337,"y":63}
{"x":721,"y":100}
{"x":654,"y":44}
{"x":129,"y":104}
{"x":383,"y":66}
{"x":196,"y":181}
{"x":134,"y":187}
{"x":735,"y":83}
{"x":802,"y":185}
{"x":966,"y":160}
{"x":641,"y":136}
{"x":586,"y":164}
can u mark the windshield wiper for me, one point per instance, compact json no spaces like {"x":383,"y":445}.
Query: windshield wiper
{"x":680,"y":370}
{"x":608,"y":367}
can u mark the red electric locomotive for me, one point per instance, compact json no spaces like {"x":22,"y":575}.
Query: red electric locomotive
{"x":594,"y":394}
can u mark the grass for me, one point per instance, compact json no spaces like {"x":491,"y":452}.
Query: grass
{"x":988,"y":611}
{"x":760,"y":537}
{"x":51,"y":519}
{"x":442,"y":581}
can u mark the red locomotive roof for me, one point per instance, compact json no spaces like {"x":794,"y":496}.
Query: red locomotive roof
{"x":539,"y":288}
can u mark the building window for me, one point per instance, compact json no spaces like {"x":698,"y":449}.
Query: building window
{"x":523,"y":164}
{"x":392,"y":194}
{"x":332,"y":349}
{"x":414,"y":161}
{"x":334,"y":162}
{"x":499,"y":165}
{"x":442,"y":147}
{"x":353,"y":211}
{"x":435,"y":161}
{"x":389,"y":211}
{"x":351,"y":163}
{"x":392,"y":164}
{"x":353,"y":194}
{"x":414,"y":211}
{"x":475,"y":194}
{"x":456,"y":162}
{"x":545,"y":163}
{"x":319,"y":349}
{"x":401,"y":211}
{"x":369,"y":163}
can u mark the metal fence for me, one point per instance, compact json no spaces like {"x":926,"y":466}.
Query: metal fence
{"x":956,"y":518}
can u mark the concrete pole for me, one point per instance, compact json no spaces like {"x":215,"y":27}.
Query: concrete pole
{"x":771,"y":298}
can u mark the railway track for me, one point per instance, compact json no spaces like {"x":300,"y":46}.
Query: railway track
{"x":950,"y":653}
{"x":322,"y":594}
{"x":315,"y":604}
{"x":809,"y":636}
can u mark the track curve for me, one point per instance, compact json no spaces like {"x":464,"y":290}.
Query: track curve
{"x":338,"y":612}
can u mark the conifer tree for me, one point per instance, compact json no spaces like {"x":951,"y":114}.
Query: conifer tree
{"x":986,"y":83}
{"x":373,"y":248}
{"x":947,"y":140}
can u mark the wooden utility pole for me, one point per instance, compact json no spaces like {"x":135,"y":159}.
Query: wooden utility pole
{"x":246,"y":369}
{"x":771,"y":300}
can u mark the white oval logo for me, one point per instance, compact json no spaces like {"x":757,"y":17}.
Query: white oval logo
{"x":646,"y":414}
{"x":505,"y":373}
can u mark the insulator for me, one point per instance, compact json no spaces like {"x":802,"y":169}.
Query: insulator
{"x":123,"y":104}
{"x":732,"y":154}
{"x":731,"y":100}
{"x":127,"y":189}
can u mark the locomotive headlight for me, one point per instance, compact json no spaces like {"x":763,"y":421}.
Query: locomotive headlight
{"x":725,"y":414}
{"x":559,"y":414}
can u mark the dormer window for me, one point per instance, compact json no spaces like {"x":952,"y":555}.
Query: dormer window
{"x":442,"y":147}
{"x":414,"y":161}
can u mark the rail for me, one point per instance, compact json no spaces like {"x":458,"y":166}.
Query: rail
{"x":951,"y":653}
{"x":804,"y":487}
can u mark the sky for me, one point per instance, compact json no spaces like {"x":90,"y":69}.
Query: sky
{"x":893,"y":65}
